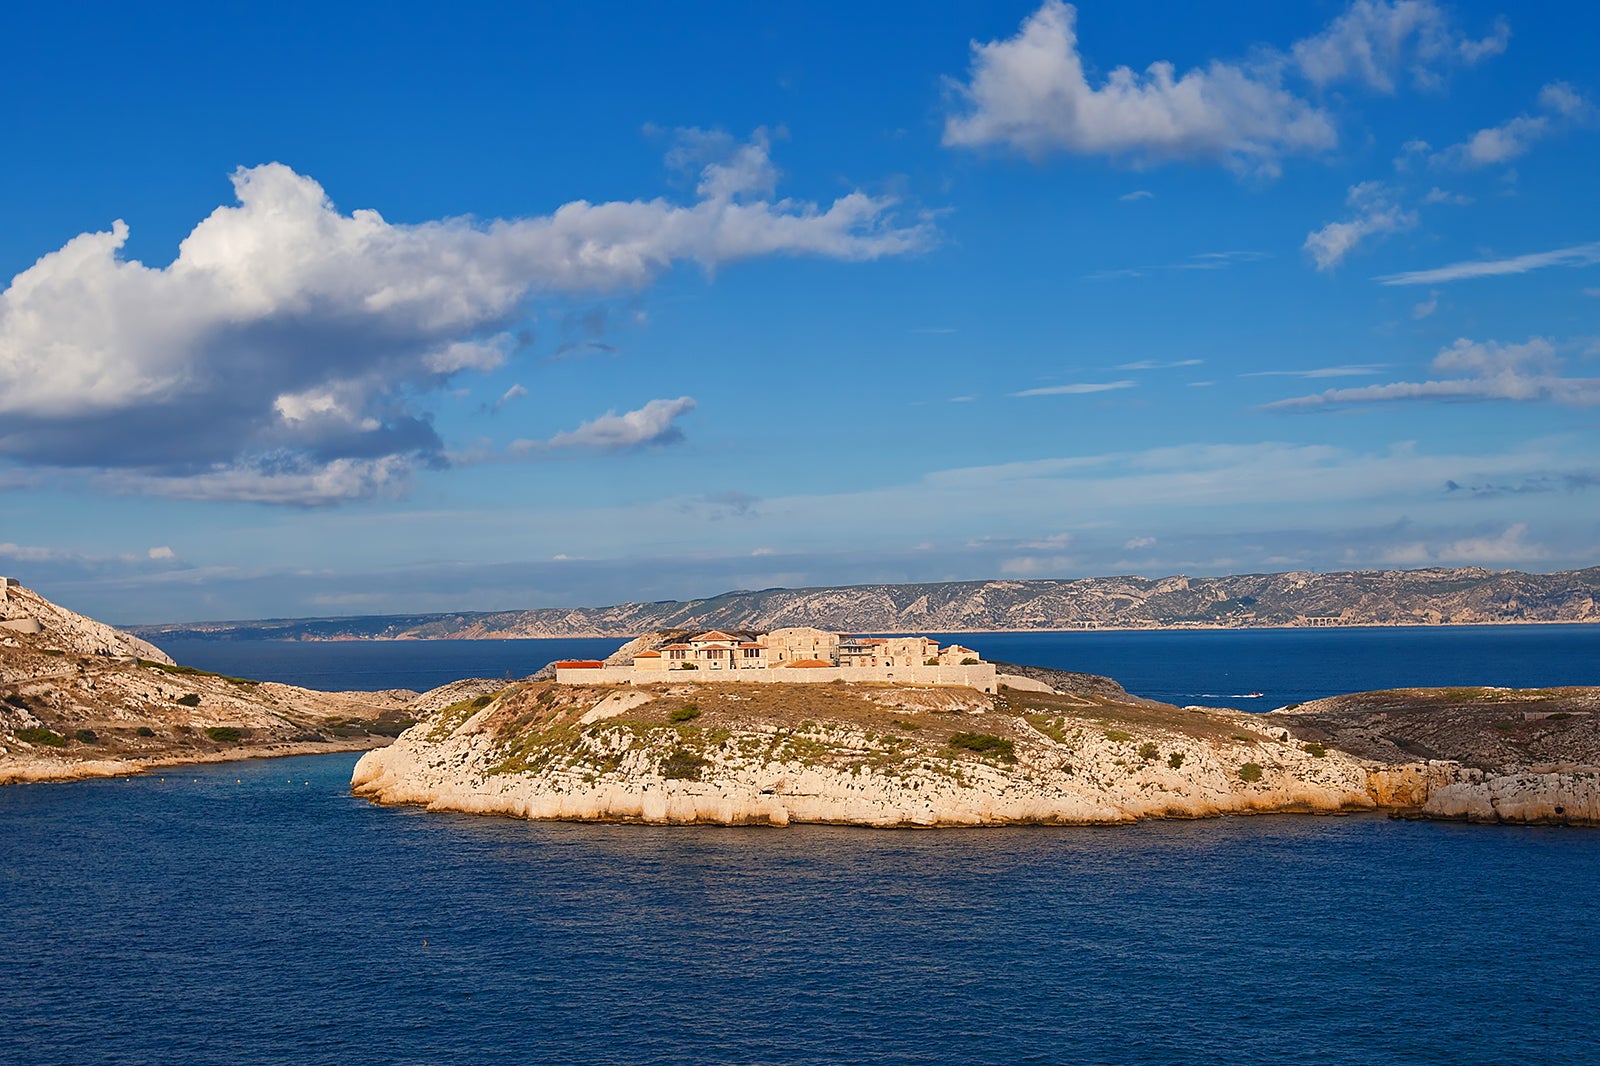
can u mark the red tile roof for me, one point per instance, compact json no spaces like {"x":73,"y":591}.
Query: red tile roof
{"x":808,"y":664}
{"x":648,"y":655}
{"x":580,"y":664}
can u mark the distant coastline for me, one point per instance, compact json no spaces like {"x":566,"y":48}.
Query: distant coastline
{"x":1291,"y":600}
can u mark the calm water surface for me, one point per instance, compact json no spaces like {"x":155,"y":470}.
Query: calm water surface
{"x":255,"y":912}
{"x":1214,"y":668}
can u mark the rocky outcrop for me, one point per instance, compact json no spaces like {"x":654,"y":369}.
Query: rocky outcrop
{"x":1368,"y":597}
{"x":79,"y":699}
{"x":687,"y":753}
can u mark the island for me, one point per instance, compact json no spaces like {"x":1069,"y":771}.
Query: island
{"x":633,"y":739}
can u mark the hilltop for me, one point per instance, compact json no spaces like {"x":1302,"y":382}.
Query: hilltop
{"x":1437,"y":596}
{"x":80,"y":699}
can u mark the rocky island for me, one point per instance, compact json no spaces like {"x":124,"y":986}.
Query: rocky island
{"x":1045,"y":747}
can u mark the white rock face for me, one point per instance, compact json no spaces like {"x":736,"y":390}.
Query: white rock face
{"x":1522,"y":799}
{"x":833,"y":772}
{"x":32,"y":614}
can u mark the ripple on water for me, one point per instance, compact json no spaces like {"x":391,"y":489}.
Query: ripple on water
{"x":237,"y":913}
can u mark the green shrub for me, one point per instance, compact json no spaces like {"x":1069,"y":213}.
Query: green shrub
{"x":189,"y":699}
{"x":1250,"y":771}
{"x":390,"y":727}
{"x":40,"y":735}
{"x":984,"y":744}
{"x":224,"y":734}
{"x":901,"y":723}
{"x":970,"y":661}
{"x":682,"y":765}
{"x":86,"y":736}
{"x":687,"y":713}
{"x":1149,"y":752}
{"x":1118,"y":735}
{"x":1316,"y":750}
{"x":144,"y":731}
{"x":931,"y":662}
{"x":687,"y":666}
{"x":1175,"y":760}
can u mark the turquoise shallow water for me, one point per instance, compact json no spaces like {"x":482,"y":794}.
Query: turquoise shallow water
{"x":256,"y":912}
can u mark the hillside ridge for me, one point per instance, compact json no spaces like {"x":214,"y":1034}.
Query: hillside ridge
{"x":1433,"y":596}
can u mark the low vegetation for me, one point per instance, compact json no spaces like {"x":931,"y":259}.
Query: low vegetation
{"x":985,"y":744}
{"x":1250,"y":772}
{"x":40,"y":735}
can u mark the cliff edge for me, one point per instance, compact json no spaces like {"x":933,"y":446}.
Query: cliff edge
{"x":886,"y":755}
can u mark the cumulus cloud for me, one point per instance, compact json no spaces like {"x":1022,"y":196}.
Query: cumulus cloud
{"x":1560,"y":107}
{"x":290,"y":346}
{"x":1372,"y":43}
{"x":163,"y":552}
{"x":1577,"y":256}
{"x":1030,"y":93}
{"x":1473,"y":370}
{"x":1138,"y":542}
{"x":654,"y":423}
{"x":1377,"y":214}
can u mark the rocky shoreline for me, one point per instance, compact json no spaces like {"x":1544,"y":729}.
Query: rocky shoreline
{"x":887,"y":756}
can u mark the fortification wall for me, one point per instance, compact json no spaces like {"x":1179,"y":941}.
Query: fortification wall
{"x":980,"y":676}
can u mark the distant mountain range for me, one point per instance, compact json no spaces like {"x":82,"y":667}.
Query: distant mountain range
{"x":1365,"y":597}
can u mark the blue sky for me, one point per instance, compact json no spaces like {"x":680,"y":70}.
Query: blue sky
{"x":399,"y":308}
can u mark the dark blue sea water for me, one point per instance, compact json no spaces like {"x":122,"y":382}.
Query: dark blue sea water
{"x":256,"y":912}
{"x":1213,"y":668}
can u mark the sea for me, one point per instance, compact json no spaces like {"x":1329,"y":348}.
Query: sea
{"x":256,"y":912}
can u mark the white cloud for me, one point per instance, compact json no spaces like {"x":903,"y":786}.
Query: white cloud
{"x":290,"y":344}
{"x":515,"y":392}
{"x":1349,"y":370}
{"x":1077,"y":389}
{"x":1478,"y":371}
{"x":654,"y":423}
{"x":1506,"y":548}
{"x":1373,"y":42}
{"x":1425,"y":308}
{"x":1560,"y":107}
{"x":162,"y":552}
{"x":1139,"y":542}
{"x":1437,"y":195}
{"x":1155,"y":364}
{"x":1137,"y":194}
{"x":1030,"y":93}
{"x":1376,"y":214}
{"x":1578,"y":255}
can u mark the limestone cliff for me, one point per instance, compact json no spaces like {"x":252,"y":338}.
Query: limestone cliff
{"x":704,"y":752}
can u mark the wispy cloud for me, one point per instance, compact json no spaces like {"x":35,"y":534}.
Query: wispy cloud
{"x":1077,"y":389}
{"x":1154,"y":364}
{"x":1350,"y":370}
{"x":1377,"y":214}
{"x":654,"y":423}
{"x":1560,"y":107}
{"x":1579,"y":255}
{"x":1480,"y":371}
{"x":1135,"y":195}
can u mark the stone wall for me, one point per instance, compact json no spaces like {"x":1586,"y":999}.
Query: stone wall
{"x":980,"y":676}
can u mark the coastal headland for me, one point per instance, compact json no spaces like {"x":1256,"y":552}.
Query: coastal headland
{"x":80,"y":699}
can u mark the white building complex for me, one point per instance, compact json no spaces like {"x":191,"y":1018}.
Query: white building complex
{"x":796,"y":655}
